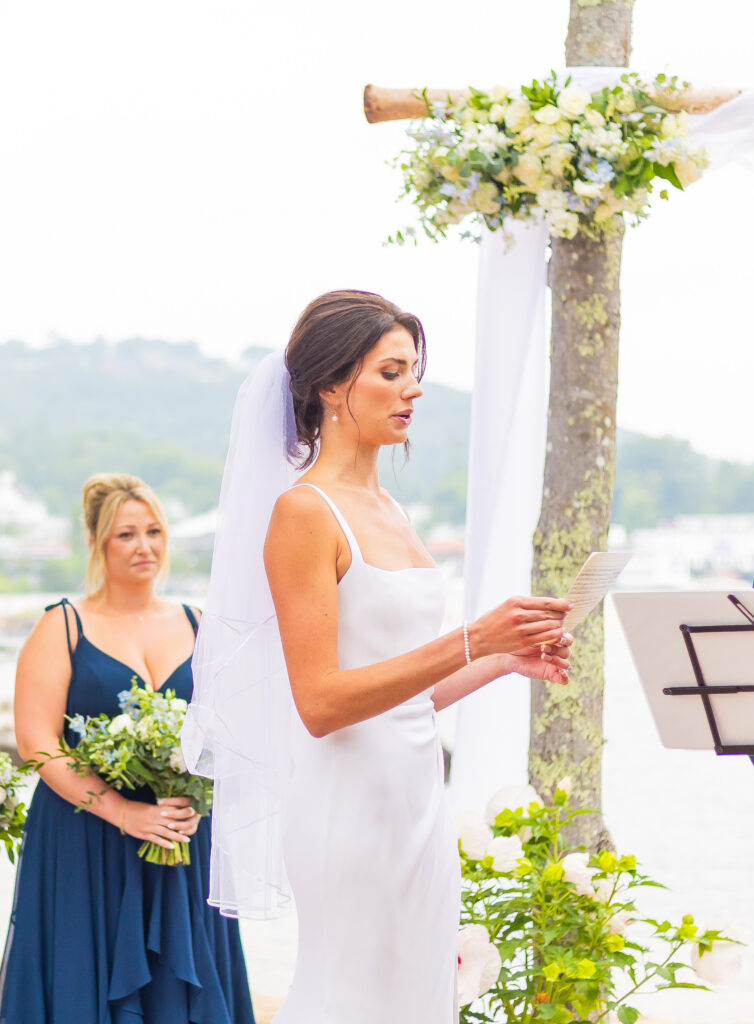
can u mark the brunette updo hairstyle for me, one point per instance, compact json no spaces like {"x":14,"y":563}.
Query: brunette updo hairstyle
{"x":103,"y":494}
{"x":328,"y":345}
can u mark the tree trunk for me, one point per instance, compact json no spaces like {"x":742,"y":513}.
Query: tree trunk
{"x":566,"y":722}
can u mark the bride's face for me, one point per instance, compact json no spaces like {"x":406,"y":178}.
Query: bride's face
{"x":377,"y":410}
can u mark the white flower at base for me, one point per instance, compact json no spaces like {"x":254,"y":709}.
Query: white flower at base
{"x":511,"y":798}
{"x":562,"y":223}
{"x":479,"y":963}
{"x":588,"y":189}
{"x":505,"y":852}
{"x":121,"y":723}
{"x":566,"y":784}
{"x":473,"y":834}
{"x":573,"y":100}
{"x":724,"y":961}
{"x":578,"y":872}
{"x":593,"y":118}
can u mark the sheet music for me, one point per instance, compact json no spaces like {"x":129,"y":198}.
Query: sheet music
{"x":596,"y":576}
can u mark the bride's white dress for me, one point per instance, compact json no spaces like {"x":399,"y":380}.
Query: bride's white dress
{"x":370,"y":846}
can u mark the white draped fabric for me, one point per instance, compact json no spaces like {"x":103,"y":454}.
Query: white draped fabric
{"x":506,"y":459}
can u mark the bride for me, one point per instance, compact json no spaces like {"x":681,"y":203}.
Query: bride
{"x":352,"y":784}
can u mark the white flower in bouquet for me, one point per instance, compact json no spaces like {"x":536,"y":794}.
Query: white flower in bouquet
{"x":473,"y":834}
{"x":121,"y":723}
{"x":3,"y":794}
{"x":626,"y":103}
{"x":594,"y":118}
{"x":511,"y":798}
{"x":505,"y":851}
{"x":479,"y":963}
{"x":674,"y":124}
{"x":485,"y":199}
{"x":528,"y":170}
{"x":562,"y":223}
{"x":177,"y":762}
{"x":687,"y":171}
{"x":547,"y":114}
{"x":498,"y":93}
{"x":588,"y":189}
{"x":517,"y":114}
{"x":497,"y":113}
{"x":573,"y":100}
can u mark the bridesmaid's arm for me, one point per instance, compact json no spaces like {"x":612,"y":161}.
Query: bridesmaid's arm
{"x":42,"y":680}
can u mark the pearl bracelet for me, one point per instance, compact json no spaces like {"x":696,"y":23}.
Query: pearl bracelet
{"x":466,"y":643}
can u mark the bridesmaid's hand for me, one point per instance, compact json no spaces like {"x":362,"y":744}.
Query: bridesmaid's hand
{"x":163,"y":823}
{"x":550,"y":662}
{"x":185,"y":819}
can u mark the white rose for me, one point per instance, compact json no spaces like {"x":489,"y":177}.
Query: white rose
{"x":552,"y":199}
{"x":479,"y":963}
{"x":511,"y":798}
{"x":579,"y":873}
{"x":593,"y":118}
{"x":547,"y":114}
{"x":517,"y":113}
{"x":485,"y":198}
{"x":473,"y":834}
{"x":602,"y":213}
{"x":505,"y":852}
{"x":573,"y":100}
{"x":588,"y":189}
{"x":544,"y":135}
{"x":687,"y":171}
{"x":177,"y":762}
{"x":497,"y":112}
{"x":178,"y":704}
{"x":498,"y":93}
{"x":121,"y":723}
{"x":562,"y":223}
{"x":528,"y":169}
{"x":626,"y":103}
{"x":724,"y":961}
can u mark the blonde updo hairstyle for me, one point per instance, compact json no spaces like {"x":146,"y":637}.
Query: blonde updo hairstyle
{"x":103,"y":494}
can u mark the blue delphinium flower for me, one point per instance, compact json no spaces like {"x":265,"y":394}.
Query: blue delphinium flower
{"x":78,"y":724}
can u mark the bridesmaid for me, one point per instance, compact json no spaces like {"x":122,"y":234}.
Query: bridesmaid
{"x":98,"y":935}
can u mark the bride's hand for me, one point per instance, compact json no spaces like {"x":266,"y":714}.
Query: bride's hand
{"x":550,"y":662}
{"x":519,"y":623}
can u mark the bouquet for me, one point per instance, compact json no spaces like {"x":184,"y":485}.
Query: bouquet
{"x":581,"y":160}
{"x":551,"y":933}
{"x":12,"y":811}
{"x":141,"y":747}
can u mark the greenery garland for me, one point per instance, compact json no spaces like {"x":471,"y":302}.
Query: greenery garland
{"x":581,"y":160}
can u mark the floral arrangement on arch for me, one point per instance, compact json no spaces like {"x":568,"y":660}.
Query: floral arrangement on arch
{"x":580,"y":160}
{"x":552,"y":934}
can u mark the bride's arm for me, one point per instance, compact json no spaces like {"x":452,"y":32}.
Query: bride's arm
{"x":551,"y":665}
{"x":301,"y":553}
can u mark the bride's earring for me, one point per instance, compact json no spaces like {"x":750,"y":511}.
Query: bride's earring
{"x":334,"y":417}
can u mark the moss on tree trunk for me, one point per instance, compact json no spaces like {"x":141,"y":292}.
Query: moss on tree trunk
{"x":566,"y":722}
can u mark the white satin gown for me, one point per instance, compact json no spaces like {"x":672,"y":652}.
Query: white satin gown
{"x":370,"y":845}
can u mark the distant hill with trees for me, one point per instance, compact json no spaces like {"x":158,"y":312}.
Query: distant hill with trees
{"x":162,"y":410}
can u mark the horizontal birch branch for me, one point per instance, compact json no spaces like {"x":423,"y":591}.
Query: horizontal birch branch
{"x":399,"y":104}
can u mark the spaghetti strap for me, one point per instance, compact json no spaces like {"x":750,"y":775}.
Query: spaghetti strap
{"x":191,"y":617}
{"x":400,"y":507}
{"x":352,"y":542}
{"x":65,"y":604}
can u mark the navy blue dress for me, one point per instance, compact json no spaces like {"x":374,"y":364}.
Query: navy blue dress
{"x":98,"y":935}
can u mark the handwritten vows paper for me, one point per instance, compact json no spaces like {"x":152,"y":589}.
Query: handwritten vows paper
{"x":596,"y":576}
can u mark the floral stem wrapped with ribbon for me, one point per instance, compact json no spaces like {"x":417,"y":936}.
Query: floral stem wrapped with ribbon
{"x":581,"y":160}
{"x":140,"y":747}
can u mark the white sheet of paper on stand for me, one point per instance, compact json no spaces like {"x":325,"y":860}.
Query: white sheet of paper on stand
{"x":596,"y":576}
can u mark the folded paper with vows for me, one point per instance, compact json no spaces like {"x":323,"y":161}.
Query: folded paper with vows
{"x":596,"y":576}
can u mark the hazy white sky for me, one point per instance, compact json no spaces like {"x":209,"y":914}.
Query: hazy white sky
{"x":191,"y":170}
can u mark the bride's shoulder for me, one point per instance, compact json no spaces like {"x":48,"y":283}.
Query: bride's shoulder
{"x":299,"y":506}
